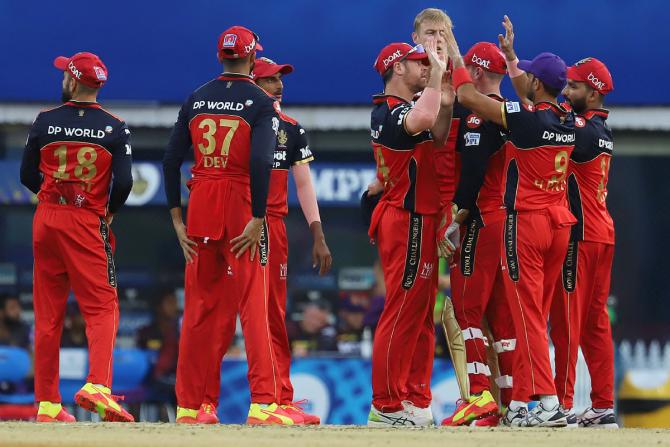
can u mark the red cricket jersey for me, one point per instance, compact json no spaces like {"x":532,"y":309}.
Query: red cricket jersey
{"x":588,"y":177}
{"x":292,"y":149}
{"x":405,"y":163}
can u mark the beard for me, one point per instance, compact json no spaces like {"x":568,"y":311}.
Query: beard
{"x":65,"y":95}
{"x":578,"y":105}
{"x":530,"y":94}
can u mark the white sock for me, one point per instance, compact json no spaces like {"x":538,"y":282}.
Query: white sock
{"x":516,"y":405}
{"x":549,"y":401}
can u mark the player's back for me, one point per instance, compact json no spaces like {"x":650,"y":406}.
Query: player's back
{"x":588,"y":177}
{"x":76,"y":144}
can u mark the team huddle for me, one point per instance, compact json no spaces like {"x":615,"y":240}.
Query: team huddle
{"x":512,"y":193}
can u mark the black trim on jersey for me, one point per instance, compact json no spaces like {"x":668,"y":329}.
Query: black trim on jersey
{"x":413,"y":250}
{"x":469,"y":247}
{"x":111,"y":270}
{"x":264,"y":244}
{"x":410,"y":198}
{"x":511,"y":185}
{"x":510,"y":246}
{"x":570,"y":267}
{"x":575,"y":200}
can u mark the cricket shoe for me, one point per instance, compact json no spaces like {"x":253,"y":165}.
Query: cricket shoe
{"x":50,"y":412}
{"x":542,"y":417}
{"x":478,"y":406}
{"x":296,"y":410}
{"x":597,"y":418}
{"x":207,"y":414}
{"x":422,"y":417}
{"x":570,"y":417}
{"x":513,"y":418}
{"x":492,"y":420}
{"x":187,"y":415}
{"x":99,"y":399}
{"x":396,"y":419}
{"x":268,"y":414}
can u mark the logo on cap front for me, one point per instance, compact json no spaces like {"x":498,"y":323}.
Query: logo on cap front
{"x":99,"y":73}
{"x":229,"y":40}
{"x":391,"y":58}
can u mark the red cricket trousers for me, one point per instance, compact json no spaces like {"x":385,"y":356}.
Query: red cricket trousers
{"x":72,"y":250}
{"x":579,"y":317}
{"x":212,"y":300}
{"x":478,"y":291}
{"x":277,"y":267}
{"x":534,"y":245}
{"x":404,"y":339}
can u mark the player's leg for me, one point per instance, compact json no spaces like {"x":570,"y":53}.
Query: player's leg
{"x":565,"y":322}
{"x":407,"y":252}
{"x":596,"y":340}
{"x":50,"y":291}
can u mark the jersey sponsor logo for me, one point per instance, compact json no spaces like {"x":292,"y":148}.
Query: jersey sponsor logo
{"x":426,"y":270}
{"x":597,"y":83}
{"x":79,"y":200}
{"x":219,"y":105}
{"x":248,"y":103}
{"x":512,"y":107}
{"x":283,"y":271}
{"x":403,"y":112}
{"x":76,"y":132}
{"x":605,"y":144}
{"x":413,"y":255}
{"x":479,"y":61}
{"x":473,"y":121}
{"x":510,"y":246}
{"x":109,"y":129}
{"x":375,"y":133}
{"x":472,"y":139}
{"x":99,"y":73}
{"x":275,"y":124}
{"x":579,"y":121}
{"x":468,"y":249}
{"x":302,"y":131}
{"x":305,"y":152}
{"x":391,"y":58}
{"x":280,"y":155}
{"x":558,"y":137}
{"x":229,"y":40}
{"x":570,"y":267}
{"x":129,"y":150}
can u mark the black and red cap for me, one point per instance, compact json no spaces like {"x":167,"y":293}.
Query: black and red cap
{"x":84,"y":67}
{"x":487,"y":56}
{"x":264,"y":68}
{"x":397,"y":52}
{"x":236,"y":42}
{"x":594,"y":73}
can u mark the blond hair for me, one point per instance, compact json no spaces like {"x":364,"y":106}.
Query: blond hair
{"x":432,"y":15}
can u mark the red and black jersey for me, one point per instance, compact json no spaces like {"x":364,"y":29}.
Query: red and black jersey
{"x":541,"y":139}
{"x":447,"y":162}
{"x":75,"y":153}
{"x":232,"y":125}
{"x":405,"y":163}
{"x":292,"y":149}
{"x":480,"y":145}
{"x":588,"y":175}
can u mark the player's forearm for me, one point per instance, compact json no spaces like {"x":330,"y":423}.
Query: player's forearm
{"x":306,"y":193}
{"x":442,"y":126}
{"x":424,"y":113}
{"x":176,"y":215}
{"x":518,"y":78}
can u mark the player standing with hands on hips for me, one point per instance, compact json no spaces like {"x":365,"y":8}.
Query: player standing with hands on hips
{"x":74,"y":155}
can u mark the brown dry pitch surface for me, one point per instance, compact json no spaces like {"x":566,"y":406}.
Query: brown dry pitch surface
{"x":166,"y":435}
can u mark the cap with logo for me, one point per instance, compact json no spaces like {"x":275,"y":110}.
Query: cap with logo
{"x":487,"y":56}
{"x":264,"y":68}
{"x":548,"y":68}
{"x":594,"y":73}
{"x":237,"y":42}
{"x":399,"y":51}
{"x":84,"y":67}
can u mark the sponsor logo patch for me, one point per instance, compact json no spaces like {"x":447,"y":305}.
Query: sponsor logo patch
{"x":579,"y":121}
{"x":513,"y":107}
{"x":473,"y":121}
{"x":472,"y":139}
{"x":229,"y":40}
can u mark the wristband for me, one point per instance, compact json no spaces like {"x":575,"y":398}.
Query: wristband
{"x":459,"y":77}
{"x":512,"y":68}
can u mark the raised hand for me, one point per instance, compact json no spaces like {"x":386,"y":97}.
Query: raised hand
{"x":506,"y":42}
{"x":438,"y":64}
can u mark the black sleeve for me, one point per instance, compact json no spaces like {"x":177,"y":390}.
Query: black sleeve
{"x":180,"y":143}
{"x":122,"y":164}
{"x":302,"y":153}
{"x":263,"y":142}
{"x":474,"y":161}
{"x":30,"y":164}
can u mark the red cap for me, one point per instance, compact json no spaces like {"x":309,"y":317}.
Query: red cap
{"x":487,"y":56}
{"x":395,"y":52}
{"x":264,"y":68}
{"x":86,"y":68}
{"x":594,"y":73}
{"x":237,"y":42}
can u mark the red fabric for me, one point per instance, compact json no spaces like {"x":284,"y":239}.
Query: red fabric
{"x":459,"y":77}
{"x":71,"y":253}
{"x":540,"y":247}
{"x":213,"y":295}
{"x":581,"y":318}
{"x":594,"y":73}
{"x":447,"y":171}
{"x":401,"y":333}
{"x":84,"y":67}
{"x":488,"y":56}
{"x":480,"y":293}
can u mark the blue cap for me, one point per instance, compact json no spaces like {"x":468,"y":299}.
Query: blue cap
{"x":548,"y":68}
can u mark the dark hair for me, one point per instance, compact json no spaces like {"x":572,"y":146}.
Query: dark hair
{"x":388,"y":74}
{"x":551,"y":90}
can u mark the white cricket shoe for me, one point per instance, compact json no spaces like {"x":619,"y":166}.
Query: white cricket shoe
{"x":397,"y":419}
{"x":539,"y":417}
{"x":570,"y":417}
{"x":596,"y":418}
{"x":422,"y":417}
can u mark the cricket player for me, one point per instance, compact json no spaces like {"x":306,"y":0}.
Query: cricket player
{"x":579,"y":315}
{"x":78,"y":162}
{"x":537,"y":224}
{"x":232,"y":125}
{"x":404,"y":225}
{"x":292,"y":153}
{"x":476,"y":275}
